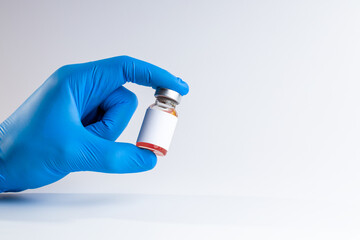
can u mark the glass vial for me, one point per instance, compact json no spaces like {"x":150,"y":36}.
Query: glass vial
{"x":159,"y":122}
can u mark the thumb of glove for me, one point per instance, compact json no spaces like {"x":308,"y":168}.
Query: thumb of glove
{"x":101,"y":155}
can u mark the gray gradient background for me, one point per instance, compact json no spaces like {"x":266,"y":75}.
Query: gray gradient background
{"x":273,"y":108}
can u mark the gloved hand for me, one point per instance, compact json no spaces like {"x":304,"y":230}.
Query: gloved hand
{"x":71,"y":122}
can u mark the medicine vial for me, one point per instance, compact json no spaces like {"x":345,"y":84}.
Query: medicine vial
{"x":159,"y":122}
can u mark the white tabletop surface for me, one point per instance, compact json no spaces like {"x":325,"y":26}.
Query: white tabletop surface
{"x":143,"y":216}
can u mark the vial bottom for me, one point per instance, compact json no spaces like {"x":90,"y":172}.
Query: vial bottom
{"x":159,"y":151}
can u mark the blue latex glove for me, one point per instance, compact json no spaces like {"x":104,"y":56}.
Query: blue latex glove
{"x":71,"y":122}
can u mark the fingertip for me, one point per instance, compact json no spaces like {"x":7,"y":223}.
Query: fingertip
{"x":127,"y":158}
{"x":147,"y":74}
{"x":176,"y":84}
{"x":137,"y":159}
{"x":150,"y":159}
{"x":184,"y":87}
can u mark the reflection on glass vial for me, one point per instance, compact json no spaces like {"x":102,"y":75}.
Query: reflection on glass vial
{"x":159,"y":122}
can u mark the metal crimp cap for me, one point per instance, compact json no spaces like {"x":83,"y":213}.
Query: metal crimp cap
{"x":167,"y":93}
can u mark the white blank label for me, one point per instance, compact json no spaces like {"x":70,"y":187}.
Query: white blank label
{"x":157,"y":128}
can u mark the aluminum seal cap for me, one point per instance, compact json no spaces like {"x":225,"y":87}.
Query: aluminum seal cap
{"x":167,"y":93}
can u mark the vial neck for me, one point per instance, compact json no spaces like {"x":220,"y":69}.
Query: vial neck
{"x":166,"y":101}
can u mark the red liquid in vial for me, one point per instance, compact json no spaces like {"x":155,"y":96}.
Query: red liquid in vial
{"x":159,"y":151}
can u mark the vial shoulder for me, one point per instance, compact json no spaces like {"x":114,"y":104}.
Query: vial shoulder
{"x":164,"y":109}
